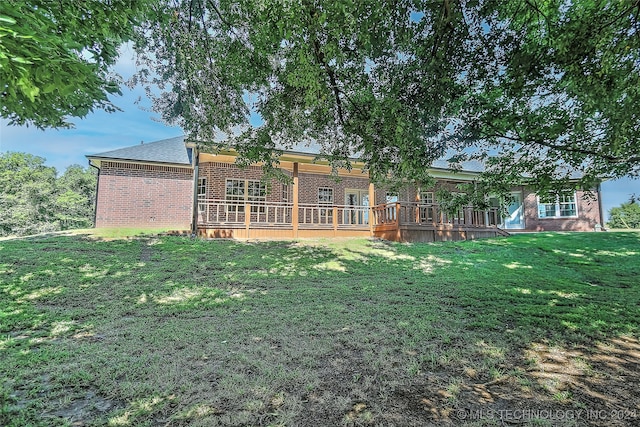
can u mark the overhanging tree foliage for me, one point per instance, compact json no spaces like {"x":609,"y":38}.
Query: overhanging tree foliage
{"x":55,"y":57}
{"x":545,"y":89}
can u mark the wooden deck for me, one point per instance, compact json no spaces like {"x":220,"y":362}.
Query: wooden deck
{"x":416,"y":222}
{"x":401,"y":222}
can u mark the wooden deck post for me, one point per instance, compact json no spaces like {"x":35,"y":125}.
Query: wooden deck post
{"x":247,"y":217}
{"x":294,"y":212}
{"x":372,"y":203}
{"x":417,"y":201}
{"x":335,"y":221}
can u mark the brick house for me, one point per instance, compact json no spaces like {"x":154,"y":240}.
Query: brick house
{"x":169,"y":184}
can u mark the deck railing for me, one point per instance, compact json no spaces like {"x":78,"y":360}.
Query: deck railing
{"x":223,"y":212}
{"x":213,"y":212}
{"x":395,"y":214}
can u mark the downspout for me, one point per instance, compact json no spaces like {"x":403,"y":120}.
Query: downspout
{"x":95,"y":203}
{"x":599,"y":191}
{"x":194,"y":216}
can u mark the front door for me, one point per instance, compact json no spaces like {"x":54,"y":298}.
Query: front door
{"x":356,"y":210}
{"x":515,"y":211}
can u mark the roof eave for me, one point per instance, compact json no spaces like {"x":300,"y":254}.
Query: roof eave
{"x":138,"y":161}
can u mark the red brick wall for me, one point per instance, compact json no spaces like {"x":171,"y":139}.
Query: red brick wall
{"x":217,"y":174}
{"x":407,"y":193}
{"x":310,"y":182}
{"x":137,"y":195}
{"x":586,"y":220}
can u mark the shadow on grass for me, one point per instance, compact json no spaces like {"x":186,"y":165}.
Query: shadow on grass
{"x":164,"y":330}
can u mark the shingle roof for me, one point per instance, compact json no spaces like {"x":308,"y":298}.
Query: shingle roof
{"x":172,"y":150}
{"x":469,"y":166}
{"x":313,"y":148}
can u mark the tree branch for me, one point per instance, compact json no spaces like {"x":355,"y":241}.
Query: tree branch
{"x":564,"y":148}
{"x":332,"y":79}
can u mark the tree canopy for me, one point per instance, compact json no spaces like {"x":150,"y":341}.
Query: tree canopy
{"x":34,"y":200}
{"x":56,"y":57}
{"x":546,"y":89}
{"x":627,"y":215}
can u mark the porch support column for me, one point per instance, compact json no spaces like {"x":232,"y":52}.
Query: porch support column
{"x":247,"y":218}
{"x":417,"y":200}
{"x":294,"y":212}
{"x":372,"y":203}
{"x":194,"y":205}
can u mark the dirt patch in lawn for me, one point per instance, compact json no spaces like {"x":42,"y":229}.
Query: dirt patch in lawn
{"x":545,"y":385}
{"x":83,"y":410}
{"x":549,"y":386}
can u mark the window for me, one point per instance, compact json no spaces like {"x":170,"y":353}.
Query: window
{"x":285,"y":192}
{"x":202,"y":193}
{"x":557,"y":206}
{"x":567,"y":205}
{"x":240,"y":191}
{"x":325,"y":197}
{"x":391,"y":197}
{"x":427,"y":197}
{"x":427,"y":211}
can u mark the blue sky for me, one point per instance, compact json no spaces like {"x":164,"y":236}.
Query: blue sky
{"x":102,"y":131}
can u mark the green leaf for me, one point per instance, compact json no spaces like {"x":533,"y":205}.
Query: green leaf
{"x":7,"y":19}
{"x":21,"y":60}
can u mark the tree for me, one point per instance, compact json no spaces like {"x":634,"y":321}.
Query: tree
{"x":626,"y":215}
{"x":544,"y":89}
{"x":26,"y":187}
{"x":76,"y":197}
{"x":55,"y":57}
{"x":33,"y":200}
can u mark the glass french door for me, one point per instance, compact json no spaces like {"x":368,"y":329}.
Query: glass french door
{"x":515,"y":212}
{"x":356,"y":210}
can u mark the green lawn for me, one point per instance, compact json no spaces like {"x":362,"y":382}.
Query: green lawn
{"x":539,"y":329}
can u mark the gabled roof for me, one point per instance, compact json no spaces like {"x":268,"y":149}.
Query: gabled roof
{"x":172,"y":151}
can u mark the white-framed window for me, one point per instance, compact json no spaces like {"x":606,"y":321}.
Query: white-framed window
{"x":240,"y":191}
{"x":325,"y":197}
{"x":285,"y":193}
{"x":427,"y":210}
{"x":202,"y":193}
{"x":557,"y":206}
{"x":427,"y":197}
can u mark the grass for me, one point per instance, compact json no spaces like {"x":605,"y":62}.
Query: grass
{"x":159,"y":330}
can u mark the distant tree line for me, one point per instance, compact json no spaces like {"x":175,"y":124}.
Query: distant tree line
{"x":627,"y":215}
{"x":33,"y":199}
